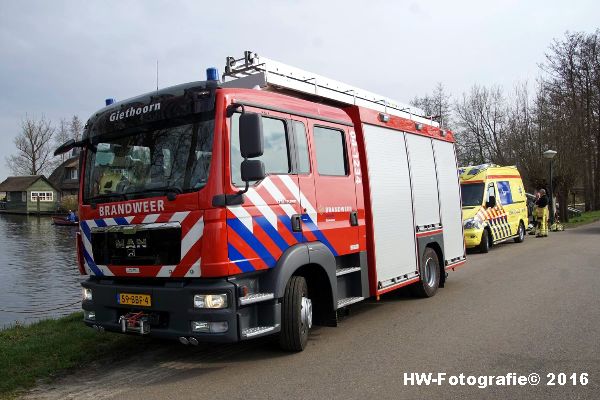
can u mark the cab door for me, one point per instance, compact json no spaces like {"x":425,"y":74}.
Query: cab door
{"x":264,"y":225}
{"x":335,"y":219}
{"x":497,"y":215}
{"x":305,"y":189}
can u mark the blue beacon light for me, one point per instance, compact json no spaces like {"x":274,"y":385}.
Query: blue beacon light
{"x":212,"y":74}
{"x":109,"y":101}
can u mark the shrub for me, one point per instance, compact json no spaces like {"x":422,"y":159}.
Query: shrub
{"x":68,"y":202}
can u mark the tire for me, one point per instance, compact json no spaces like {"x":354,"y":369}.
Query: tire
{"x":484,"y":245}
{"x":296,"y":315}
{"x":429,"y":271}
{"x":521,"y":233}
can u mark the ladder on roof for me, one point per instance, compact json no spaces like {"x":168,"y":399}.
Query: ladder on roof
{"x":253,"y":71}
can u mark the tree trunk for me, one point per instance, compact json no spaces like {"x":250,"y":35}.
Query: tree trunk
{"x":563,"y":205}
{"x":588,"y":182}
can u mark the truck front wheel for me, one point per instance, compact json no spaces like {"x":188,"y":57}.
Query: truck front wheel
{"x":484,"y":245}
{"x":296,"y":315}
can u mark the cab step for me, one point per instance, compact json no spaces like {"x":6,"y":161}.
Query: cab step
{"x":256,"y":298}
{"x":257,"y":331}
{"x":344,"y":271}
{"x":349,"y":300}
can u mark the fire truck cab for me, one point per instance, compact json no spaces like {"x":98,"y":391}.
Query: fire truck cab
{"x":263,"y":204}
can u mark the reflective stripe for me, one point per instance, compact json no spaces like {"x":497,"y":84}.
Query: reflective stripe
{"x":304,"y":203}
{"x":252,"y":241}
{"x":262,"y":206}
{"x":243,"y":215}
{"x":239,"y":259}
{"x":179,"y":216}
{"x":193,"y":236}
{"x":151,"y":218}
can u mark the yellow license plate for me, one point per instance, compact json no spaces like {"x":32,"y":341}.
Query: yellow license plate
{"x":133,"y":299}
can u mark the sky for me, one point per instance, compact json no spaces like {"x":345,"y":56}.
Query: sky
{"x":63,"y":58}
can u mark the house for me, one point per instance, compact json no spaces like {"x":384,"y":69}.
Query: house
{"x":66,"y":176}
{"x":32,"y":194}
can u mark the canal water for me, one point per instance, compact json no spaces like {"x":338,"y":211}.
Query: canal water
{"x":38,"y":272}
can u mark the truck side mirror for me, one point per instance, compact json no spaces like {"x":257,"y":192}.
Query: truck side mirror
{"x":68,"y":145}
{"x":491,"y":202}
{"x":251,"y":135}
{"x":252,"y":170}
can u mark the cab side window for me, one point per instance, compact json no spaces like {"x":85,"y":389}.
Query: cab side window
{"x":490,"y":198}
{"x":331,"y":151}
{"x":302,"y":147}
{"x":276,"y":155}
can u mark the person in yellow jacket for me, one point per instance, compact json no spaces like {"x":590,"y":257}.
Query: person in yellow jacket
{"x":541,"y":211}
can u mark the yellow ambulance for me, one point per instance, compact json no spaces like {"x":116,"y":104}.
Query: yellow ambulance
{"x":494,"y":205}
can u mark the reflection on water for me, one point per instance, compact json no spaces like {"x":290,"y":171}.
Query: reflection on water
{"x":38,"y":270}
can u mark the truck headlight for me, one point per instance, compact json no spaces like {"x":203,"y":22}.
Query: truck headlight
{"x":472,"y":223}
{"x":210,"y":301}
{"x":86,"y":294}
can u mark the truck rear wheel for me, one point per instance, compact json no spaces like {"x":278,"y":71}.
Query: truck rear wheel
{"x":296,"y":315}
{"x":429,"y":270}
{"x":484,"y":245}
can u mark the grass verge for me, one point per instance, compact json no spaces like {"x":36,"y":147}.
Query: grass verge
{"x":48,"y":348}
{"x":584,"y":218}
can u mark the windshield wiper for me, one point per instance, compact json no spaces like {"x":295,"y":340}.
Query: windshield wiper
{"x":98,"y":199}
{"x":170,"y":191}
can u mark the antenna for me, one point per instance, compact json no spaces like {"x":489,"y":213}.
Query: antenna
{"x":157,"y":75}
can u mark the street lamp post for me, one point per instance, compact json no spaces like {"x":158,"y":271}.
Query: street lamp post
{"x":549,"y":154}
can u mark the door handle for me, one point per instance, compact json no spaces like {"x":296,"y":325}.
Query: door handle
{"x":296,"y":223}
{"x":354,"y":218}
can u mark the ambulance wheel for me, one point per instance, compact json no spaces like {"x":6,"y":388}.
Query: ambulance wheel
{"x":429,"y":270}
{"x":296,"y":315}
{"x":521,"y":234}
{"x":484,"y":246}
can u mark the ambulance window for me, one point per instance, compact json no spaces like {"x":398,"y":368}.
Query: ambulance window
{"x":329,"y":148}
{"x":302,"y":146}
{"x":504,"y":192}
{"x":276,"y":155}
{"x":491,"y":192}
{"x":491,"y":200}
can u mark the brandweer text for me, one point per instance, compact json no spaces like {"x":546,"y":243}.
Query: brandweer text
{"x":138,"y":207}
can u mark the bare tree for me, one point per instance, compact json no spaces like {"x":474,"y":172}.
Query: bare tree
{"x":481,"y":118}
{"x":76,"y":128}
{"x":62,"y":135}
{"x":436,"y":105}
{"x":572,"y":114}
{"x":562,"y":114}
{"x":34,"y":150}
{"x":72,"y":129}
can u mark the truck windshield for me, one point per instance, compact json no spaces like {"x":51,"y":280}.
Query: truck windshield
{"x":472,"y":194}
{"x":150,"y":161}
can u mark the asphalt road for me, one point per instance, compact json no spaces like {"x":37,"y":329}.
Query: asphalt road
{"x":523,"y":308}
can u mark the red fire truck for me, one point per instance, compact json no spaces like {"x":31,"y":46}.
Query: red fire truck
{"x":220,"y":211}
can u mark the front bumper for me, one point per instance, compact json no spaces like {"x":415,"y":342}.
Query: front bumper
{"x":473,"y":237}
{"x":172,"y":310}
